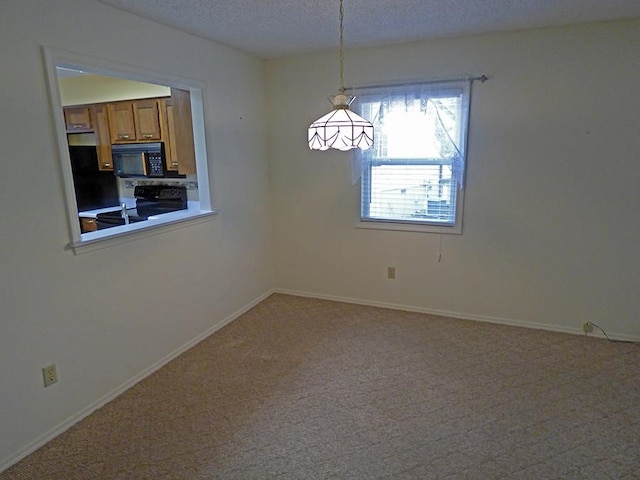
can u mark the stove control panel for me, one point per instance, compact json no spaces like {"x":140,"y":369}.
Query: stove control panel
{"x":160,"y":198}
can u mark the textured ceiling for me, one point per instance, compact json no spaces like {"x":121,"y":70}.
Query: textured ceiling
{"x":274,"y":28}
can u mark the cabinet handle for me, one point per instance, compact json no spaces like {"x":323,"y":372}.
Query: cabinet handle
{"x":77,"y":125}
{"x":123,"y":136}
{"x":174,"y":164}
{"x":106,"y":164}
{"x":147,"y":135}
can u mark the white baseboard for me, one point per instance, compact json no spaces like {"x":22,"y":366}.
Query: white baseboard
{"x":54,"y":432}
{"x":462,"y":316}
{"x":68,"y":423}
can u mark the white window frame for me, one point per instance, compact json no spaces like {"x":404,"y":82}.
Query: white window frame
{"x":366,"y":161}
{"x":86,"y":242}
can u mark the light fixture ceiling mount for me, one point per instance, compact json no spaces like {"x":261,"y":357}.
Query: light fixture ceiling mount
{"x":341,"y":128}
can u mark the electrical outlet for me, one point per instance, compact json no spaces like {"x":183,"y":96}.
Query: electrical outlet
{"x":587,"y":327}
{"x":391,"y":272}
{"x":49,"y":375}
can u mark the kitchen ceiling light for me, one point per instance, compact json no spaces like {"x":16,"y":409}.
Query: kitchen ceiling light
{"x":341,"y":128}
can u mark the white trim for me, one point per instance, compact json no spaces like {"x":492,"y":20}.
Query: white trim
{"x":370,"y":224}
{"x":54,"y":57}
{"x":137,"y":231}
{"x":54,"y":432}
{"x":459,"y":315}
{"x":69,"y":422}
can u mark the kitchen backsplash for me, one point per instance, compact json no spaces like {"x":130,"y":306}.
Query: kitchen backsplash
{"x":126,"y":185}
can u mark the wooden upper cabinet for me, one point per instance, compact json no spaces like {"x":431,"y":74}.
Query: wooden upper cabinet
{"x":134,"y":121}
{"x":121,"y":122}
{"x":103,"y":139}
{"x":147,"y":119}
{"x":78,"y":119}
{"x":163,"y":119}
{"x":180,"y":123}
{"x":168,"y":126}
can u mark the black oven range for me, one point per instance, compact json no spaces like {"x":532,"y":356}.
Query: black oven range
{"x":150,"y":200}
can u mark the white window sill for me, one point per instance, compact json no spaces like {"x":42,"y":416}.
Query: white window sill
{"x":409,"y":227}
{"x":154,"y":225}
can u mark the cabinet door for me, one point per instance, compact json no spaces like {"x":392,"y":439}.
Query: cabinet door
{"x":88,"y":224}
{"x":147,"y":119}
{"x":180,"y":117}
{"x":78,"y":119}
{"x":168,"y":127}
{"x":121,"y":122}
{"x":103,"y":143}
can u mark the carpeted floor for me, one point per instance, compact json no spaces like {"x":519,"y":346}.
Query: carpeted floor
{"x":310,"y":389}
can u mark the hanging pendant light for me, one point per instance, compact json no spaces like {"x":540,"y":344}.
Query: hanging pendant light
{"x":341,"y":128}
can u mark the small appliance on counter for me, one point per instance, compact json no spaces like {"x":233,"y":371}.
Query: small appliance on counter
{"x":150,"y":200}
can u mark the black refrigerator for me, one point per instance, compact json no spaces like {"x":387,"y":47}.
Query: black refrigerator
{"x":94,"y":188}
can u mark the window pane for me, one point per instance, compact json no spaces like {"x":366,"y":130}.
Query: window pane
{"x":420,"y":129}
{"x":412,"y":193}
{"x":414,"y":171}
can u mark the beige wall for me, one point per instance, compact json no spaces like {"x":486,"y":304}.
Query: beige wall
{"x":550,"y":234}
{"x":550,"y":227}
{"x":106,"y":316}
{"x":91,"y":88}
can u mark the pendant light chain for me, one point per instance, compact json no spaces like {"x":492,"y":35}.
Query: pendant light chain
{"x":341,"y":48}
{"x":341,"y":128}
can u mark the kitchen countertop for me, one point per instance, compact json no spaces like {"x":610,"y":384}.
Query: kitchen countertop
{"x":94,"y":213}
{"x":91,"y":240}
{"x":191,"y":207}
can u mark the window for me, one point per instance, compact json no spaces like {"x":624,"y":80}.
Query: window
{"x":413,"y":176}
{"x":84,"y":92}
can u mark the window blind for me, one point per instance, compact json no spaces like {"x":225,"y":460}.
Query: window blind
{"x":414,"y":173}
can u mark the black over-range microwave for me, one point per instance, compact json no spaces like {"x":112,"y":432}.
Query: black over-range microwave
{"x":140,"y":160}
